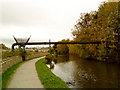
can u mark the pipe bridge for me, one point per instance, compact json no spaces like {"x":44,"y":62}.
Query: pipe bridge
{"x":45,"y":43}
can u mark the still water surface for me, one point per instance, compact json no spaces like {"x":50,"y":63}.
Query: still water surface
{"x":78,"y":73}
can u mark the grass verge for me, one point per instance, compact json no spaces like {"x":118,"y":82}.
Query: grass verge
{"x":48,"y":79}
{"x":6,"y":75}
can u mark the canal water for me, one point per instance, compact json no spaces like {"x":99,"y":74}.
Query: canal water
{"x":78,"y":73}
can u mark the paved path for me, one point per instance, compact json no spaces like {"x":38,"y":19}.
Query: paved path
{"x":26,"y":76}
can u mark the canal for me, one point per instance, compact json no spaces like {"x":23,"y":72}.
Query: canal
{"x":79,"y":73}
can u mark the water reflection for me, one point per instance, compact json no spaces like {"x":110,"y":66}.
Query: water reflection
{"x":78,"y":73}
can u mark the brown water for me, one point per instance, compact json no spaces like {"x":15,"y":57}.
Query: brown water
{"x":78,"y":73}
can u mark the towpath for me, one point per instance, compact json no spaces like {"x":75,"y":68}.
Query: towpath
{"x":26,"y":76}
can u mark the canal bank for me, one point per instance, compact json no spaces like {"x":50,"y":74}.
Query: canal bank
{"x":48,"y":79}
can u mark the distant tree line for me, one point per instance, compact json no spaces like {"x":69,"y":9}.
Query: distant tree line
{"x":2,"y":46}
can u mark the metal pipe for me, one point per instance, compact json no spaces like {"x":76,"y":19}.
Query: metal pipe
{"x":45,"y":43}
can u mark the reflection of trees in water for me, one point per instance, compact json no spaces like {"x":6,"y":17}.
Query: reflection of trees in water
{"x":90,"y":74}
{"x":61,"y":59}
{"x":53,"y":59}
{"x":118,"y":68}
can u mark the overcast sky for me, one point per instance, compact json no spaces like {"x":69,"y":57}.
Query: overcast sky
{"x":42,"y":19}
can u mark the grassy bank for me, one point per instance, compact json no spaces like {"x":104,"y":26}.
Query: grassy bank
{"x":6,"y":75}
{"x":48,"y":79}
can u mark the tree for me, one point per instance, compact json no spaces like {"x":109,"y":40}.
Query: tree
{"x":62,"y":49}
{"x":101,"y":25}
{"x":2,"y":46}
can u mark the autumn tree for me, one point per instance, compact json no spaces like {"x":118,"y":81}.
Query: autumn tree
{"x":62,"y":49}
{"x":101,"y":25}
